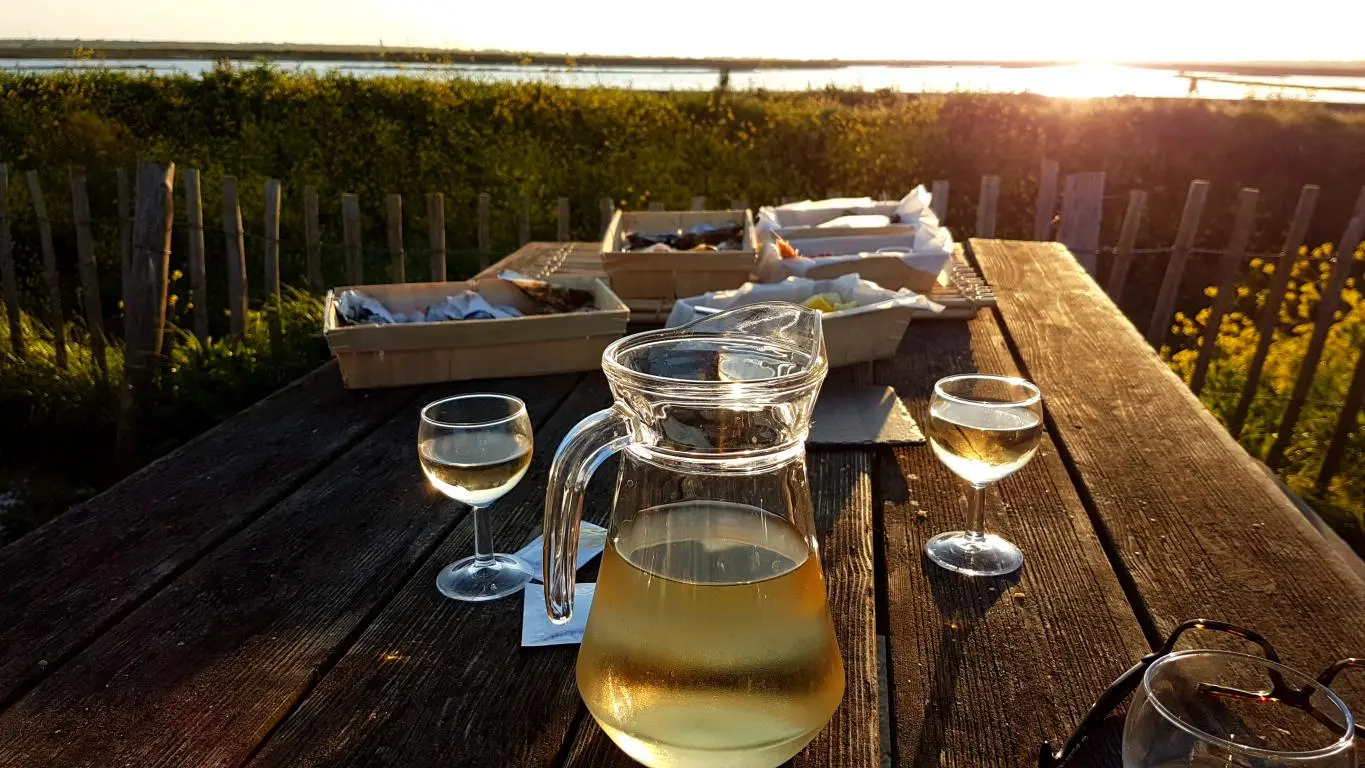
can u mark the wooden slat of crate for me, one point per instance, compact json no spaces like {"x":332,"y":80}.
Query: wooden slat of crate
{"x":965,"y":293}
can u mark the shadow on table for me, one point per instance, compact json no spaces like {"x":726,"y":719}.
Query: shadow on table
{"x":962,"y":602}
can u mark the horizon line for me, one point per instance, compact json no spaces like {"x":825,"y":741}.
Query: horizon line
{"x":67,"y":48}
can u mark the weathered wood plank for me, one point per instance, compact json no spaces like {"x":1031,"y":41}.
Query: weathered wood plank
{"x":350,"y":236}
{"x":1199,"y":526}
{"x":271,"y":237}
{"x":144,"y":302}
{"x":982,"y":671}
{"x":7,"y":277}
{"x":985,"y":206}
{"x":938,"y":201}
{"x":1160,"y":324}
{"x":51,"y":279}
{"x":312,"y":238}
{"x":125,"y":228}
{"x":1045,"y":204}
{"x":1347,"y":423}
{"x":1082,"y":210}
{"x":1229,"y":266}
{"x":194,"y":212}
{"x":235,"y":239}
{"x":485,"y":243}
{"x":79,"y":574}
{"x":1123,"y":254}
{"x":438,"y":682}
{"x":89,"y":272}
{"x":201,"y":672}
{"x":393,"y":206}
{"x":1270,"y":313}
{"x":606,"y":209}
{"x":562,"y":220}
{"x":436,"y":235}
{"x":841,"y":490}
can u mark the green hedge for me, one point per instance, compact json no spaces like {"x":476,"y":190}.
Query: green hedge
{"x":461,"y":137}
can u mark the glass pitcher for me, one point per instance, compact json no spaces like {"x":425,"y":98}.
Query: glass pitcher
{"x":710,"y":641}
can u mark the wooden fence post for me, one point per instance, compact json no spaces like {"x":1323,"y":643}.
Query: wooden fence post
{"x":986,"y":205}
{"x":562,"y":217}
{"x":1175,"y":270}
{"x":485,"y":244}
{"x":125,"y":228}
{"x":194,"y":211}
{"x":1082,"y":211}
{"x":938,"y":201}
{"x":393,"y":206}
{"x":436,"y":235}
{"x":1327,"y":308}
{"x":235,"y":239}
{"x":145,"y":305}
{"x":606,"y":209}
{"x":656,"y":206}
{"x":1123,"y":255}
{"x":89,"y":273}
{"x":1346,"y":426}
{"x":312,"y":238}
{"x":1227,"y":284}
{"x":350,"y":236}
{"x":739,"y":204}
{"x":50,"y":277}
{"x":11,"y":284}
{"x":524,"y":222}
{"x":699,"y":203}
{"x":273,"y":202}
{"x":1270,"y":313}
{"x":1045,"y":204}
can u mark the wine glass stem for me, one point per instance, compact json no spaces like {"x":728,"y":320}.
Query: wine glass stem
{"x":976,"y":511}
{"x":483,"y":537}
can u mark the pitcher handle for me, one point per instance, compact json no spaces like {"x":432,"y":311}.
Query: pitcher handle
{"x":591,"y":442}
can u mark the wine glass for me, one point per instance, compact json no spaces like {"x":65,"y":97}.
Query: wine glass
{"x":983,"y":428}
{"x":474,"y":449}
{"x":1217,"y":708}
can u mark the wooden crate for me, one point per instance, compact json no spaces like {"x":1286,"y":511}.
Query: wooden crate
{"x":860,"y":337}
{"x":455,"y":350}
{"x":664,"y":277}
{"x":865,"y":336}
{"x":888,"y":271}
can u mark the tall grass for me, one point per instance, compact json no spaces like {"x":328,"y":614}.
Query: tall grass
{"x":58,"y":427}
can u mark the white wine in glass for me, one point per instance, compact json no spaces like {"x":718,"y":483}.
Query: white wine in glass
{"x":982,"y":445}
{"x":474,"y":449}
{"x":475,"y":469}
{"x":983,"y":428}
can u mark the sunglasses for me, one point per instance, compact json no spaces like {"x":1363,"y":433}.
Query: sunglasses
{"x":1279,"y":691}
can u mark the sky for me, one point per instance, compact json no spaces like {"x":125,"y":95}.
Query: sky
{"x":1026,"y":30}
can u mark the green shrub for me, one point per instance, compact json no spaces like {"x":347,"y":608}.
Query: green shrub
{"x":373,"y":136}
{"x":58,"y":427}
{"x":1343,"y":501}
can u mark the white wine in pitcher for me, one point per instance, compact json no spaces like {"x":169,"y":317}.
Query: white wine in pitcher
{"x":710,"y":642}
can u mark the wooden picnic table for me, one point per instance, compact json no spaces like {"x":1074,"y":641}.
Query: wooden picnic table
{"x":264,"y":595}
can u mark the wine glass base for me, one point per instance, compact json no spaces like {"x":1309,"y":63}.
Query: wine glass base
{"x":974,"y":554}
{"x":499,"y":576}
